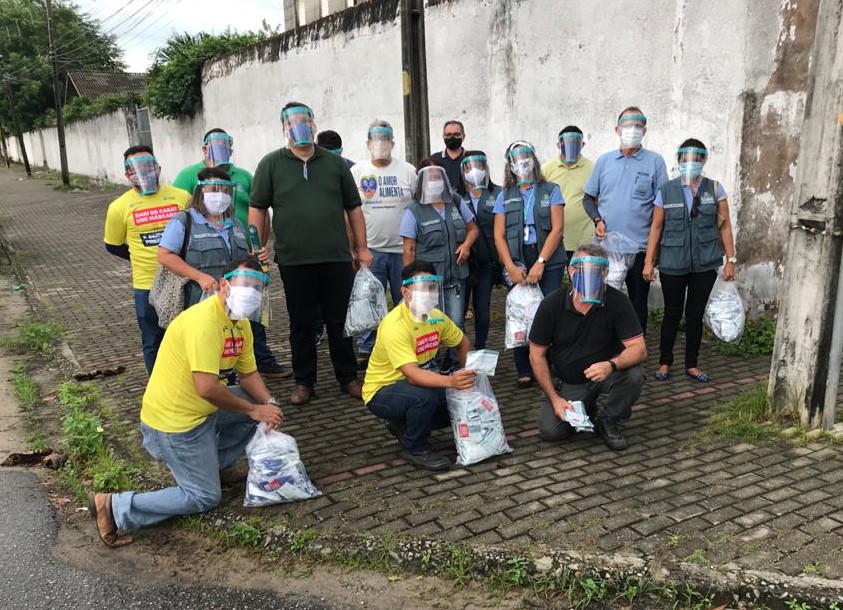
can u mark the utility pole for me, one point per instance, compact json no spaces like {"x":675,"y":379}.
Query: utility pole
{"x":5,"y":148}
{"x":414,"y":79}
{"x":801,"y":378}
{"x":65,"y":175}
{"x":10,"y":97}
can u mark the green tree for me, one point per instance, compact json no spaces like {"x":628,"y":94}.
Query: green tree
{"x":81,"y":43}
{"x":174,"y":88}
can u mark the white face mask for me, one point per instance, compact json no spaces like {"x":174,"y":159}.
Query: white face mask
{"x":216,"y":203}
{"x":476,"y":176}
{"x":243,"y":301}
{"x":433,"y":191}
{"x":381,"y":151}
{"x":631,"y":136}
{"x":523,"y":168}
{"x":422,"y":303}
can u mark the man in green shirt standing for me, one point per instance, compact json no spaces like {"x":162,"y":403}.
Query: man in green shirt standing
{"x":571,"y":171}
{"x":216,"y":152}
{"x":311,"y":191}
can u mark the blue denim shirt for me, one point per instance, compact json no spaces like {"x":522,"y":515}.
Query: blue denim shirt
{"x":625,"y":187}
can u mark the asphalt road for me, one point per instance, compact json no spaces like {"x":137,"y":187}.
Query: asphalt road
{"x":31,"y":579}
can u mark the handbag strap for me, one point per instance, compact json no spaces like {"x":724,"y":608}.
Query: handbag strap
{"x":188,"y":222}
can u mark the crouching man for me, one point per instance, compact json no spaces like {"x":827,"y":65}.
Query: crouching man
{"x":398,"y":386}
{"x":189,"y":418}
{"x":591,"y":336}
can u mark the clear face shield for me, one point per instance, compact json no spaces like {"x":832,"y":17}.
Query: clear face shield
{"x":475,"y":172}
{"x":691,"y":162}
{"x":248,"y":294}
{"x":589,"y":277}
{"x":217,"y":195}
{"x":432,"y":185}
{"x":142,"y":171}
{"x":570,"y":145}
{"x":632,"y":128}
{"x":522,"y":162}
{"x":381,"y":142}
{"x":218,"y":148}
{"x":425,"y":299}
{"x":298,"y":125}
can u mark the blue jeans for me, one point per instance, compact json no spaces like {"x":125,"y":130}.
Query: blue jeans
{"x":263,"y":355}
{"x":454,"y":297}
{"x":151,"y":333}
{"x":420,"y":409}
{"x":481,"y":296}
{"x":551,"y":280}
{"x":195,"y":458}
{"x":387,"y":268}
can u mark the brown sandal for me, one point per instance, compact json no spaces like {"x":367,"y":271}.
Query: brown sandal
{"x":100,"y":507}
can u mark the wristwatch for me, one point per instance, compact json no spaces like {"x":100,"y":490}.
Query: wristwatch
{"x":541,"y":260}
{"x":271,"y":401}
{"x":614,"y":365}
{"x":732,"y":259}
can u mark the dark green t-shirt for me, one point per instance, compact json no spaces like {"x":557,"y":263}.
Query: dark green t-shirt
{"x":308,"y":204}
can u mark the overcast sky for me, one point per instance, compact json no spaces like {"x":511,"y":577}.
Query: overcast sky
{"x":141,"y":26}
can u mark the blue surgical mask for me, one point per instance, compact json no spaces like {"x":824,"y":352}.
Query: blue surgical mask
{"x":690,"y":170}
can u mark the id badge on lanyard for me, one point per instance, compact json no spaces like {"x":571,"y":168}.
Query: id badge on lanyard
{"x":529,"y":206}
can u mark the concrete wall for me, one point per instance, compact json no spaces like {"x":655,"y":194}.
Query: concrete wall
{"x":732,"y":73}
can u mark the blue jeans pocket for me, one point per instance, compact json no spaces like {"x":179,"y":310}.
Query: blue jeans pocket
{"x":151,"y":442}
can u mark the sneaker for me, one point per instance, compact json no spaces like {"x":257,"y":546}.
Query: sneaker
{"x":396,"y":428}
{"x":427,"y":459}
{"x":317,"y":338}
{"x":274,"y":368}
{"x":610,"y":432}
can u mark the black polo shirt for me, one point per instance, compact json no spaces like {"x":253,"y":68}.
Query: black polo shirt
{"x":577,"y":341}
{"x":452,"y":168}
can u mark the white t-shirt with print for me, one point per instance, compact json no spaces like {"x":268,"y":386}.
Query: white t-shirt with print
{"x":385,"y":193}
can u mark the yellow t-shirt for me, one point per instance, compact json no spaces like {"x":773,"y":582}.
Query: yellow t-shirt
{"x":579,"y":228}
{"x":201,"y":339}
{"x":139,"y":220}
{"x":401,"y":340}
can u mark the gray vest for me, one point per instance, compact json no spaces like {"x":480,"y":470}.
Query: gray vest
{"x":689,"y":245}
{"x":483,"y":250}
{"x":437,"y":239}
{"x":207,"y":252}
{"x":513,"y":208}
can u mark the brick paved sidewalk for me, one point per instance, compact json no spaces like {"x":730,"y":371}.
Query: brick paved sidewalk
{"x":773,"y":507}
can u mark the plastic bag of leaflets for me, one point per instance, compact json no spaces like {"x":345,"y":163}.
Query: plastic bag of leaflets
{"x":724,"y":314}
{"x":276,"y":472}
{"x":521,"y":305}
{"x":476,"y":422}
{"x":620,"y":250}
{"x":367,"y":305}
{"x":578,"y":418}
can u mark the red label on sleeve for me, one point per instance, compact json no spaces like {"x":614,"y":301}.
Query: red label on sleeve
{"x":153,"y":215}
{"x":232,"y":347}
{"x":427,"y":343}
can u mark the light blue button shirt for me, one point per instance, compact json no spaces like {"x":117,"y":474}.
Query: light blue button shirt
{"x":173,"y":236}
{"x":409,"y":227}
{"x":689,"y":196}
{"x":626,"y":187}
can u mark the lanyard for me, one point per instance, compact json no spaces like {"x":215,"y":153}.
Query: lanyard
{"x":529,"y":204}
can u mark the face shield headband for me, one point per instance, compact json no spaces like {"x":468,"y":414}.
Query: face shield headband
{"x":142,"y":171}
{"x":298,"y":123}
{"x":219,"y":147}
{"x":247,"y":295}
{"x":589,"y":277}
{"x":522,"y":163}
{"x":475,"y":171}
{"x":425,"y":298}
{"x":691,"y":162}
{"x":570,"y":144}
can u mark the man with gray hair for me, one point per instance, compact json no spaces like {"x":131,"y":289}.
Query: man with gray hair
{"x":591,"y":337}
{"x":386,"y":187}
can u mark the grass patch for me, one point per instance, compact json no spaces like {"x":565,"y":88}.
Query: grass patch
{"x":243,"y":535}
{"x":758,"y":338}
{"x":746,"y":417}
{"x":35,"y":337}
{"x":38,"y":441}
{"x":25,"y":388}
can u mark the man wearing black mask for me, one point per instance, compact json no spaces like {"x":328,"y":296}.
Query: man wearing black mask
{"x":451,"y":158}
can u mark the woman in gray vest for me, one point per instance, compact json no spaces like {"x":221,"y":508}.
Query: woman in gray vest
{"x":690,"y":233}
{"x":529,"y":223}
{"x":215,"y":237}
{"x":439,"y":228}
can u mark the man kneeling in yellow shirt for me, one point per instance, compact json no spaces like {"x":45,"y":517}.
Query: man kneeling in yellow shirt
{"x":398,"y":386}
{"x":190,"y":419}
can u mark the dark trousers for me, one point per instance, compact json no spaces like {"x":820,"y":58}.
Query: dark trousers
{"x":326,"y":286}
{"x":689,"y":293}
{"x":420,"y":409}
{"x":638,"y":289}
{"x":151,"y":333}
{"x":622,"y":389}
{"x":263,"y":355}
{"x":479,"y":293}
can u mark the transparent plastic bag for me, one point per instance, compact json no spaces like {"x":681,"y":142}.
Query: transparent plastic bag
{"x":725,"y":314}
{"x":276,"y":472}
{"x":578,"y":418}
{"x":620,"y":250}
{"x":521,"y":305}
{"x":367,"y":305}
{"x":476,"y":422}
{"x":482,"y":361}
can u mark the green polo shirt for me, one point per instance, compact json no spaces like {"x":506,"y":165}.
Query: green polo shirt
{"x":186,"y":180}
{"x":308,"y":204}
{"x":579,"y":228}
